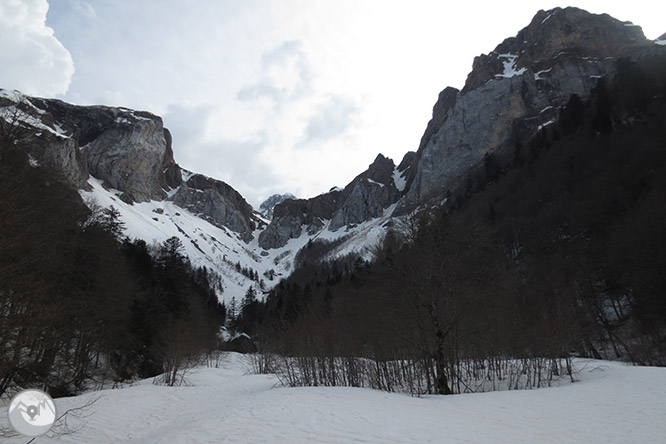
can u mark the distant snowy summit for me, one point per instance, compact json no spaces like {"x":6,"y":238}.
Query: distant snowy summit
{"x":266,"y":207}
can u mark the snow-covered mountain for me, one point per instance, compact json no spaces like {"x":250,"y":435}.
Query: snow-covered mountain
{"x":125,"y":158}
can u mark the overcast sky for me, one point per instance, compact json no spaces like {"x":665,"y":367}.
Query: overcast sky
{"x":269,"y":96}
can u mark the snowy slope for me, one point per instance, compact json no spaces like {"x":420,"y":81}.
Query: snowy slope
{"x":364,"y":237}
{"x":611,"y":403}
{"x":220,"y":249}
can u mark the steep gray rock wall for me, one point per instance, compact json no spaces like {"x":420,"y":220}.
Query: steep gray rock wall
{"x":59,"y":154}
{"x":169,"y":174}
{"x":216,"y":202}
{"x":129,"y":156}
{"x":524,"y":81}
{"x":36,"y":131}
{"x":128,"y":150}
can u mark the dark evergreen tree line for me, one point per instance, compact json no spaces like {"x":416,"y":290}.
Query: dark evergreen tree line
{"x":77,"y":302}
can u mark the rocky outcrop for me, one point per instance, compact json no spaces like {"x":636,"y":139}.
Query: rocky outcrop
{"x":522,"y":83}
{"x":216,"y":202}
{"x":368,"y":194}
{"x":445,"y":101}
{"x":554,"y":36}
{"x":130,"y":156}
{"x":35,"y":130}
{"x":169,"y":174}
{"x":292,"y":215}
{"x":407,"y":162}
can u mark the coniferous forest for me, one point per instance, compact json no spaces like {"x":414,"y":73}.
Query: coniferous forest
{"x":81,"y":304}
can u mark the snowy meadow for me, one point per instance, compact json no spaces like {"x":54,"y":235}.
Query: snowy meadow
{"x":226,"y":402}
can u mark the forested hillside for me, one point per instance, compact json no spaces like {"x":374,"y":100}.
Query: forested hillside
{"x":81,"y":305}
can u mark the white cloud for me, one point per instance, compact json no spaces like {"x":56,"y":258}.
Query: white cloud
{"x":331,"y":120}
{"x":285,"y":75}
{"x":32,"y":59}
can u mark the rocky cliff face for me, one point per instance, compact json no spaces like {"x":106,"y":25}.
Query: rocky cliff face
{"x":130,"y":156}
{"x":216,"y":202}
{"x":556,"y":37}
{"x":521,"y":84}
{"x":129,"y":151}
{"x":368,"y":194}
{"x":44,"y":139}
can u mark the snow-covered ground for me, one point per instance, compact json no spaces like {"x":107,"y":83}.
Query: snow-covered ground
{"x":611,"y":403}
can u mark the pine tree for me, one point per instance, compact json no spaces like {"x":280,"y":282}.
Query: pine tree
{"x":232,"y":310}
{"x":249,"y":300}
{"x":111,"y":222}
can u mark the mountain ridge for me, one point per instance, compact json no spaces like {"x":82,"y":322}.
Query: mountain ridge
{"x":510,"y":95}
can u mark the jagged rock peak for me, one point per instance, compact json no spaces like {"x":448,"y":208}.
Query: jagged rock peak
{"x":364,"y":198}
{"x":407,"y":161}
{"x":291,"y":215}
{"x":381,"y":170}
{"x":266,"y":207}
{"x":553,"y":34}
{"x":368,"y":194}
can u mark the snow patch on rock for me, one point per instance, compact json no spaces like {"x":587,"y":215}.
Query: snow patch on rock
{"x":509,"y":61}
